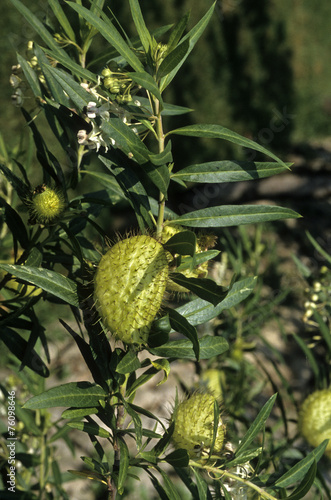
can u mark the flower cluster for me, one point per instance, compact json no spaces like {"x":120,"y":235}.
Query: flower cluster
{"x":318,"y":296}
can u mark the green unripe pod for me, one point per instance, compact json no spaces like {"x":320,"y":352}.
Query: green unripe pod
{"x":46,"y":205}
{"x":129,"y":286}
{"x":194,"y":426}
{"x":315,"y":419}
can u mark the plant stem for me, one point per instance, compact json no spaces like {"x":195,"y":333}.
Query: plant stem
{"x":160,"y":136}
{"x":228,"y":474}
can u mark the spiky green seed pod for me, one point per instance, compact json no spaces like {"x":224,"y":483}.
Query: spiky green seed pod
{"x":315,"y":419}
{"x":46,"y":205}
{"x":194,"y":426}
{"x":129,"y":286}
{"x":200,"y":271}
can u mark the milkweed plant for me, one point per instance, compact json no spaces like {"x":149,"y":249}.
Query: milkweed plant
{"x":140,"y":300}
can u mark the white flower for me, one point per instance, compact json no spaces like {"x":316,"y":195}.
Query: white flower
{"x":93,"y":140}
{"x":92,"y":110}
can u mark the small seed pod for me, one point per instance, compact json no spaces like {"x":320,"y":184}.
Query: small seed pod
{"x":46,"y":205}
{"x":129,"y":286}
{"x":315,"y":419}
{"x":194,"y":426}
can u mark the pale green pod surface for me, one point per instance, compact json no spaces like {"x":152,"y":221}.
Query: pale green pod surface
{"x":47,"y":205}
{"x":194,"y":424}
{"x":315,"y":419}
{"x":129,"y":286}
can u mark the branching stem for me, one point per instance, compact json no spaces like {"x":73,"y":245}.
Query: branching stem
{"x":230,"y":475}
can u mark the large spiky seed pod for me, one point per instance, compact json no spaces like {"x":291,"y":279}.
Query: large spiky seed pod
{"x":200,"y":271}
{"x":129,"y":286}
{"x":315,"y":419}
{"x":46,"y":205}
{"x":194,"y":426}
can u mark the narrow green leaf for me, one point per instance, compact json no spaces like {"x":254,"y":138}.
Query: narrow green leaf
{"x":30,"y":76}
{"x":149,"y":456}
{"x":75,"y":394}
{"x":38,"y":27}
{"x":318,"y":247}
{"x":204,"y":288}
{"x":15,"y":224}
{"x":109,"y":32}
{"x":181,"y":325}
{"x":79,"y":96}
{"x":109,"y":182}
{"x":173,"y":59}
{"x":126,"y":139}
{"x":174,"y":110}
{"x":313,"y":364}
{"x":70,"y":64}
{"x":234,"y":215}
{"x":245,"y":457}
{"x":162,"y":158}
{"x":18,"y":346}
{"x":124,"y":465}
{"x":228,"y":171}
{"x":178,"y":458}
{"x":256,"y":426}
{"x":54,"y":86}
{"x":22,"y":189}
{"x":50,"y":281}
{"x":168,"y":109}
{"x":97,"y":5}
{"x":159,"y":176}
{"x":193,"y":36}
{"x":62,"y":18}
{"x":183,"y":243}
{"x":79,"y":412}
{"x":324,"y":328}
{"x":110,"y":53}
{"x":305,"y":485}
{"x":140,"y":25}
{"x":199,"y":258}
{"x":219,"y":132}
{"x":147,"y":82}
{"x":169,"y":487}
{"x":136,"y":422}
{"x":162,"y":364}
{"x":91,"y":428}
{"x":199,"y":311}
{"x":297,"y":472}
{"x":132,"y":188}
{"x":129,"y":363}
{"x":177,"y":32}
{"x":88,"y":474}
{"x":182,"y":349}
{"x":201,"y":485}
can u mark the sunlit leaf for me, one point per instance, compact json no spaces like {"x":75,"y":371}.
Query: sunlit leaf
{"x":234,"y":215}
{"x":75,"y":394}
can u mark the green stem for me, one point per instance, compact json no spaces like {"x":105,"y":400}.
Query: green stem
{"x":246,"y":482}
{"x":160,"y":138}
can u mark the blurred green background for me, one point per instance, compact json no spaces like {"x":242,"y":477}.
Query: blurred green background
{"x":261,"y":68}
